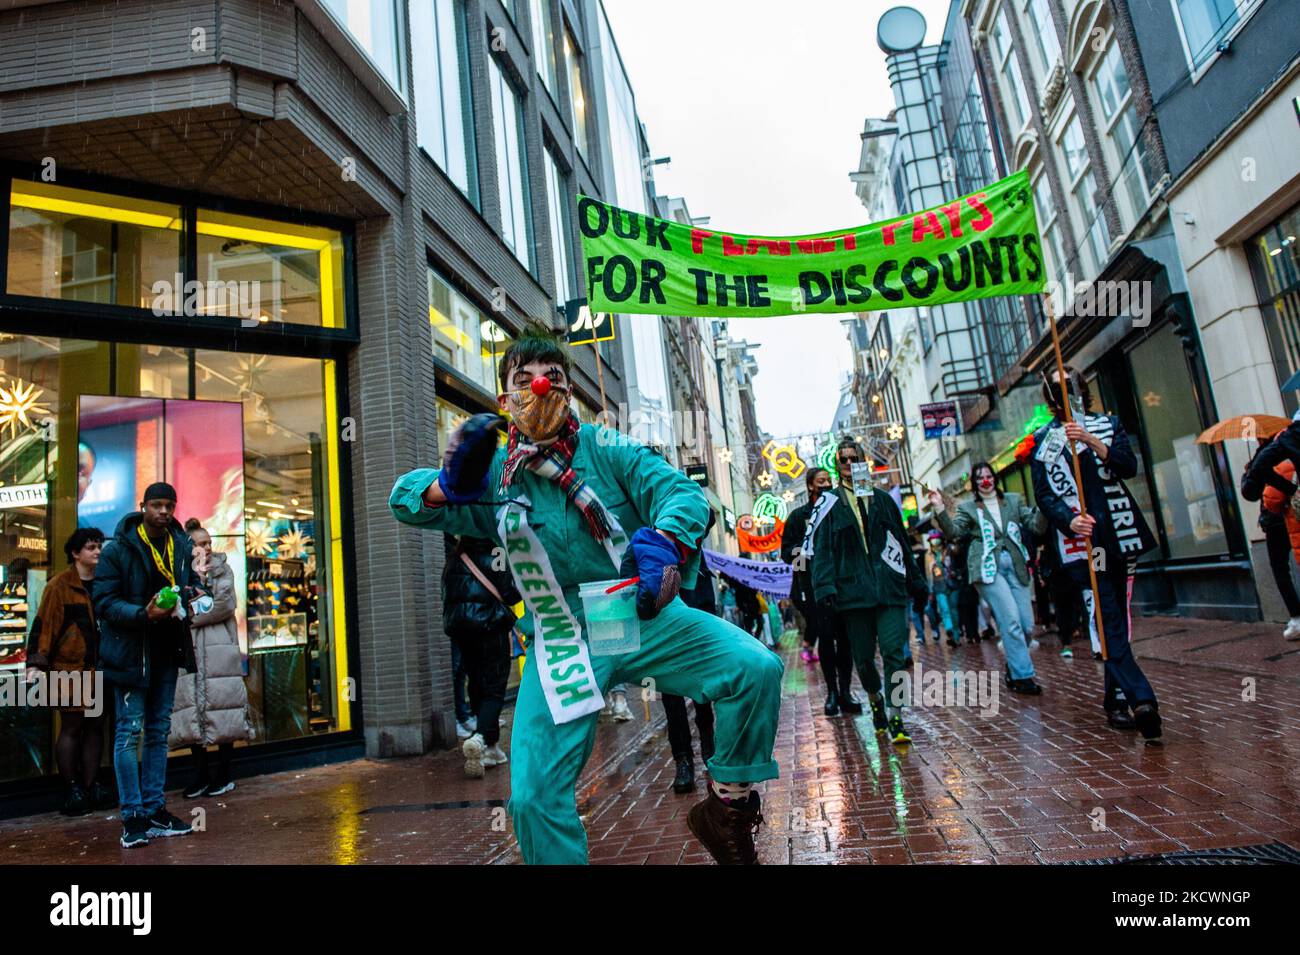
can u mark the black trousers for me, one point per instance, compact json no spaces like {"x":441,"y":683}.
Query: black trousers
{"x":834,"y":651}
{"x":968,"y":612}
{"x":1067,"y":603}
{"x":679,"y":727}
{"x":486,"y":659}
{"x":1279,"y":559}
{"x":1126,"y":685}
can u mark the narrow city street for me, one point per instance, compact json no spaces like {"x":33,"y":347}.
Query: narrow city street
{"x":1042,"y":781}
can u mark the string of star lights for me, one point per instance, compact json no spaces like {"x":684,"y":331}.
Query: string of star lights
{"x":786,"y":459}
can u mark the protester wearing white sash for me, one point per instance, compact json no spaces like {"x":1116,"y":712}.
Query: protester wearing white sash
{"x":997,"y":563}
{"x":1112,"y":536}
{"x":834,"y":653}
{"x":574,"y":504}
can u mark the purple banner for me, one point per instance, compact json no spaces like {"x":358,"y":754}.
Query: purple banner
{"x":769,"y":576}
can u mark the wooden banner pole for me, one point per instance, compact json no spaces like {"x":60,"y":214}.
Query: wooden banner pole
{"x":1067,"y":414}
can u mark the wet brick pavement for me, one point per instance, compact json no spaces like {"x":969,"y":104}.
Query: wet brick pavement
{"x":1044,"y":780}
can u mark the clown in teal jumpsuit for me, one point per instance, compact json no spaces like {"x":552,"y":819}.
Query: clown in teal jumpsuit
{"x":684,"y":651}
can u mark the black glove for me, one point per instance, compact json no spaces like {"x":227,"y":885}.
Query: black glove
{"x":919,"y":600}
{"x":468,"y":458}
{"x":827,"y":603}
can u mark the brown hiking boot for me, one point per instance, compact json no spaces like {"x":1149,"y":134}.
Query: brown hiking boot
{"x":727,"y":830}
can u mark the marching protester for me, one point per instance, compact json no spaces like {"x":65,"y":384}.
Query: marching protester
{"x":211,"y":706}
{"x":1281,"y":527}
{"x":477,"y":596}
{"x":142,"y":572}
{"x":702,"y":598}
{"x":939,"y":576}
{"x":863,"y":576}
{"x":543,"y":496}
{"x":827,"y":638}
{"x":1112,"y":535}
{"x":923,"y":605}
{"x":1270,"y":479}
{"x":997,"y":524}
{"x":65,"y":639}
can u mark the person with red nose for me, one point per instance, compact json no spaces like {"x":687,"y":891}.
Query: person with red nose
{"x":997,"y":562}
{"x":580,"y":504}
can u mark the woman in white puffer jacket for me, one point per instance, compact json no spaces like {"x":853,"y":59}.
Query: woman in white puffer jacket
{"x":212,"y":702}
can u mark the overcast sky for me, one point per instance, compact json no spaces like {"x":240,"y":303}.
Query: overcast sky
{"x":760,"y":103}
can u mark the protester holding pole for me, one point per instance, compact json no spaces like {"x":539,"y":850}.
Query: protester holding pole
{"x":1099,"y":532}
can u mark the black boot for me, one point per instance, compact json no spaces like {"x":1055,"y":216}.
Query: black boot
{"x":101,"y":797}
{"x":684,"y":781}
{"x":77,"y":802}
{"x":832,"y":707}
{"x":1147,"y":717}
{"x":849,"y":703}
{"x":1120,"y":719}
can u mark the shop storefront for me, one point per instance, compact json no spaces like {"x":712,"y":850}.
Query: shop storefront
{"x":201,"y":343}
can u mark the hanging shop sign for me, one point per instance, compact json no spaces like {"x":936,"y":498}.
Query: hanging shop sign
{"x":729,"y":520}
{"x":754,"y":542}
{"x":769,"y":508}
{"x":785,"y":459}
{"x":976,"y":246}
{"x":585,"y":326}
{"x":24,"y":495}
{"x":941,"y":419}
{"x":699,"y":473}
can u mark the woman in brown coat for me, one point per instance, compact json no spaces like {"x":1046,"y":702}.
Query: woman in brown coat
{"x":65,"y":639}
{"x":212,"y":702}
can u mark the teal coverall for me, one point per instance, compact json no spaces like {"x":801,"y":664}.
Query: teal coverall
{"x":686,"y":652}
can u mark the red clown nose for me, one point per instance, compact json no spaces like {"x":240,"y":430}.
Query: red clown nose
{"x":541,"y":385}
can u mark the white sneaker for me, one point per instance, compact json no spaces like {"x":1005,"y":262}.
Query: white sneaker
{"x":463,"y":730}
{"x":1033,"y":644}
{"x":474,"y":750}
{"x":1292,"y":631}
{"x":1001,"y":649}
{"x":620,"y":708}
{"x":495,"y":756}
{"x":472,"y":723}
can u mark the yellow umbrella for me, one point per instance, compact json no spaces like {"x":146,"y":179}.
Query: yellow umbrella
{"x":1260,"y":427}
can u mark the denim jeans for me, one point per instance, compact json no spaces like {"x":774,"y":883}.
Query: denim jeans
{"x":945,"y":611}
{"x":143,"y":713}
{"x":1009,"y":599}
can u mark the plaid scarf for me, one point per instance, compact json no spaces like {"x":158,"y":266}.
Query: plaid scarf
{"x":555,"y":463}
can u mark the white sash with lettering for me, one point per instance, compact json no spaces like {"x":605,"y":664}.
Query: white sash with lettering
{"x":559,"y":650}
{"x":893,"y":555}
{"x":1060,"y":475}
{"x":819,"y":511}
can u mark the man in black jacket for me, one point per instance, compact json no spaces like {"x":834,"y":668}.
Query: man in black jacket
{"x":142,"y":645}
{"x":1112,"y":536}
{"x":478,"y":593}
{"x":1284,"y":447}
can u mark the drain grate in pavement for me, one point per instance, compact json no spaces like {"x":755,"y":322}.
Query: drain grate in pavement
{"x":1272,"y":853}
{"x":426,"y":806}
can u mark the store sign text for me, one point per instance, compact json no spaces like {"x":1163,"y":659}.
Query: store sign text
{"x":24,"y":495}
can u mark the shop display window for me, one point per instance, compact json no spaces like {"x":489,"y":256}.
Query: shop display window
{"x":82,"y":246}
{"x":464,"y":338}
{"x":279,"y":271}
{"x":251,"y":443}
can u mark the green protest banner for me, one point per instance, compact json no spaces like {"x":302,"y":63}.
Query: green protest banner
{"x":976,"y":246}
